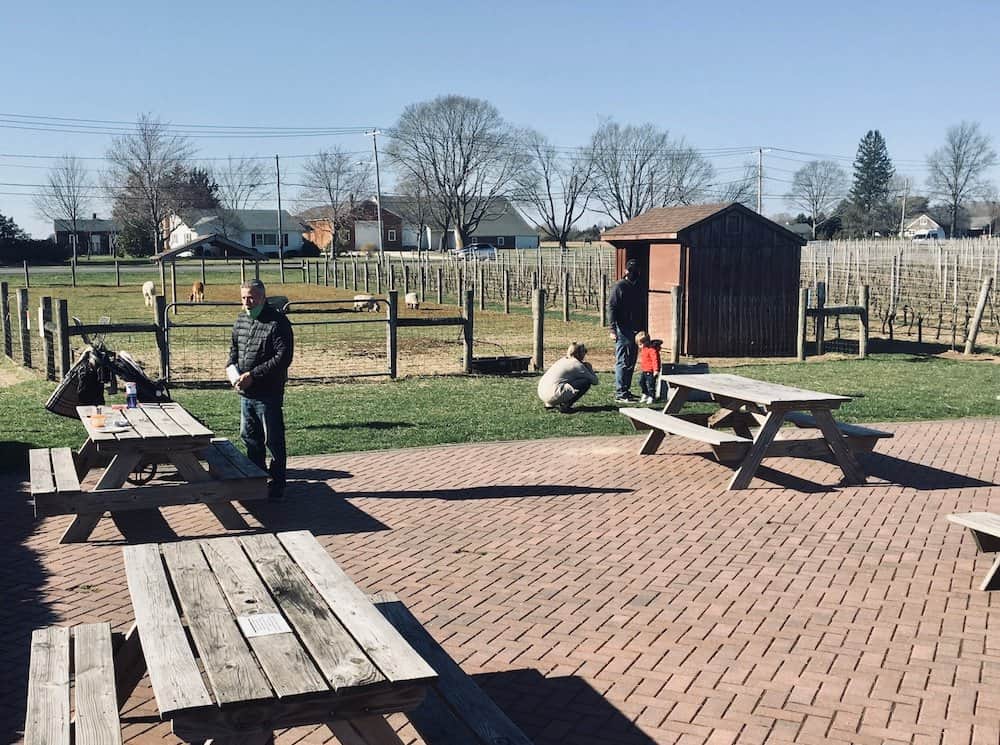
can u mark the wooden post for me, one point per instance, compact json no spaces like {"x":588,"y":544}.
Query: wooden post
{"x":173,"y":285}
{"x":406,"y":278}
{"x":565,"y":296}
{"x":118,"y":273}
{"x":820,"y":316}
{"x":378,"y":278}
{"x":48,"y":346}
{"x":23,"y":315}
{"x":163,"y":277}
{"x":676,"y":323}
{"x":604,"y":300}
{"x":354,"y":277}
{"x":72,"y":271}
{"x":326,"y":273}
{"x":863,"y":330}
{"x":302,"y":266}
{"x":391,"y":341}
{"x":5,"y":320}
{"x":256,"y":269}
{"x":440,"y":286}
{"x":469,"y":315}
{"x":481,"y":287}
{"x":305,"y":271}
{"x":162,"y":338}
{"x":800,"y":332}
{"x":367,"y":280}
{"x":538,"y":323}
{"x":984,"y":293}
{"x":423,"y":284}
{"x":243,"y":270}
{"x":506,"y":291}
{"x":27,"y":280}
{"x":204,"y":280}
{"x":62,"y":334}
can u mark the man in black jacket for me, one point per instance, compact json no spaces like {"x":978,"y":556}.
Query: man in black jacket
{"x":627,"y":319}
{"x":261,"y":350}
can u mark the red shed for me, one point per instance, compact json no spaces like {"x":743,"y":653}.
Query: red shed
{"x":739,"y":273}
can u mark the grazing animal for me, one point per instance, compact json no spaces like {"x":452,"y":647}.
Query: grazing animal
{"x":148,"y":292}
{"x":412,"y":301}
{"x":197,"y":292}
{"x":365,"y":302}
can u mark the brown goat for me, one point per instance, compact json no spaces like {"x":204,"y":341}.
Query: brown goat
{"x":197,"y":292}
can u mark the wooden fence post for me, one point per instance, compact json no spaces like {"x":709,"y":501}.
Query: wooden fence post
{"x":423,"y":284}
{"x":820,"y":316}
{"x":62,"y":333}
{"x":243,"y":270}
{"x":984,"y":293}
{"x":468,"y":314}
{"x":506,"y":291}
{"x":676,"y":323}
{"x":440,"y":286}
{"x":163,"y":277}
{"x":603,"y":315}
{"x":173,"y":285}
{"x":367,"y":279}
{"x":378,"y":278}
{"x":391,"y":334}
{"x":72,"y":270}
{"x":204,"y":280}
{"x":48,"y":347}
{"x":162,"y":338}
{"x":326,"y":272}
{"x":354,"y":277}
{"x":23,"y":315}
{"x":27,"y":280}
{"x":118,"y":273}
{"x":800,"y":331}
{"x":538,"y":324}
{"x":863,"y":326}
{"x":481,"y":287}
{"x":5,"y":320}
{"x":565,"y":296}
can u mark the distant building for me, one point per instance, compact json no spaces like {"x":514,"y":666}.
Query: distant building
{"x":257,"y":229}
{"x":93,"y":237}
{"x":923,"y":226}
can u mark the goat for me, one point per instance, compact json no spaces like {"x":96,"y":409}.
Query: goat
{"x":197,"y":292}
{"x":365,"y":302}
{"x":148,"y":292}
{"x":412,"y":301}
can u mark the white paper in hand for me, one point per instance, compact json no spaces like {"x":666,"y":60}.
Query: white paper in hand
{"x":233,"y":373}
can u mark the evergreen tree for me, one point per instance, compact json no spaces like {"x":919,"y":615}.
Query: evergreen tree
{"x":870,"y":207}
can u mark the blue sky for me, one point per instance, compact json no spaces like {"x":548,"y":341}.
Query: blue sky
{"x":723,"y":74}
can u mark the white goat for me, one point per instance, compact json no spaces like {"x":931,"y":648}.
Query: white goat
{"x":365,"y":302}
{"x":148,"y":292}
{"x":412,"y":301}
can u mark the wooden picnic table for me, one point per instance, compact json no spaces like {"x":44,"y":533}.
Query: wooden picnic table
{"x":745,"y":403}
{"x":153,"y":434}
{"x":283,"y":635}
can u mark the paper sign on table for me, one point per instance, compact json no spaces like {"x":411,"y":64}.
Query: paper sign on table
{"x":263,"y":624}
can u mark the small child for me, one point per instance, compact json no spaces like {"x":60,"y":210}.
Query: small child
{"x":649,"y":364}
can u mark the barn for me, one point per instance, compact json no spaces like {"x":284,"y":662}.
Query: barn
{"x":738,"y":272}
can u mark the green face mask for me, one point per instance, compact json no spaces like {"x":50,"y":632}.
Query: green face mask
{"x":254,"y":312}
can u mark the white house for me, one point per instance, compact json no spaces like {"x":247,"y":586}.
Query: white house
{"x":503,"y":226}
{"x":923,"y":226}
{"x":257,"y":229}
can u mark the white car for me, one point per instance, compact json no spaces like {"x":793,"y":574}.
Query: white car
{"x":479,"y":251}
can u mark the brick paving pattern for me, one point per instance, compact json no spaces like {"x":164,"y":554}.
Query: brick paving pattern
{"x":603,"y":597}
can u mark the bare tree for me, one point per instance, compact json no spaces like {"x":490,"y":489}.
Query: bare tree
{"x":462,"y":153}
{"x":742,"y":190}
{"x":557,"y":188}
{"x":334,"y":179}
{"x":416,"y":207}
{"x":817,"y":187}
{"x":242,"y":183}
{"x":958,"y":168}
{"x":688,"y":175}
{"x":629,"y":165}
{"x":143,"y":177}
{"x":66,"y":196}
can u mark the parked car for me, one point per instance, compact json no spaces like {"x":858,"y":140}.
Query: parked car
{"x":479,"y":251}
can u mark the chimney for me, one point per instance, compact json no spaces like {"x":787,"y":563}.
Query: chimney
{"x":95,"y":215}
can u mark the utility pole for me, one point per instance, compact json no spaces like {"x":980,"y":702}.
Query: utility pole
{"x":902,"y":211}
{"x":760,"y":181}
{"x":378,"y":191}
{"x":281,"y":251}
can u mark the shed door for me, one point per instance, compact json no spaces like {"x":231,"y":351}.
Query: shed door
{"x":664,"y":278}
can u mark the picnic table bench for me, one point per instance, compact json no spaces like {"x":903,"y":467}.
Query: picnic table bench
{"x":153,"y":434}
{"x":985,"y":529}
{"x":85,"y":667}
{"x":745,"y":403}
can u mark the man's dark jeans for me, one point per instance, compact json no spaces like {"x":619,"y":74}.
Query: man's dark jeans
{"x":262,"y":425}
{"x":626,"y":353}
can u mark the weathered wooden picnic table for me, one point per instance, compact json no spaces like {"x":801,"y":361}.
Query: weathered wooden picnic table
{"x":283,"y":635}
{"x":151,"y":434}
{"x":745,"y":403}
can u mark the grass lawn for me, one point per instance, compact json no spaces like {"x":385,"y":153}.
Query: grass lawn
{"x":432,"y":410}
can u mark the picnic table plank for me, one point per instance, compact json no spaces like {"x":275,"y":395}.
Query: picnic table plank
{"x":342,"y":661}
{"x":65,"y":470}
{"x":97,"y":720}
{"x":177,"y":683}
{"x":282,"y":656}
{"x":231,"y":667}
{"x":247,"y":468}
{"x":47,"y":719}
{"x":185,"y":419}
{"x":40,"y":468}
{"x":143,"y":426}
{"x":164,"y":422}
{"x":760,"y":392}
{"x":386,"y":647}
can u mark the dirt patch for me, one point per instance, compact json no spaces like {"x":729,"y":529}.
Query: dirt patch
{"x":11,"y":374}
{"x":961,"y":357}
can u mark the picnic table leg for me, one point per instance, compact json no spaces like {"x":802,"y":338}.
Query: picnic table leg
{"x":765,"y":435}
{"x":652,"y":441}
{"x":853,"y":472}
{"x":130,"y":666}
{"x":189,"y":467}
{"x":113,"y":477}
{"x":86,"y":458}
{"x":992,"y":580}
{"x":373,"y":730}
{"x":676,"y":400}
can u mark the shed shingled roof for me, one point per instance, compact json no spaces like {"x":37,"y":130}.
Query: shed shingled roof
{"x":668,"y":222}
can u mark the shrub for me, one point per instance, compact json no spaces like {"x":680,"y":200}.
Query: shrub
{"x":35,"y":251}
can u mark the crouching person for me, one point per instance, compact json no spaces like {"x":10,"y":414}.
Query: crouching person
{"x":567,"y":380}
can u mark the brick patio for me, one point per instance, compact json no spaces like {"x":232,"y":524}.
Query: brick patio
{"x":600,"y":597}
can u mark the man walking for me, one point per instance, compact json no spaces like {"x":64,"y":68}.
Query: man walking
{"x":261,"y":350}
{"x":626,"y":317}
